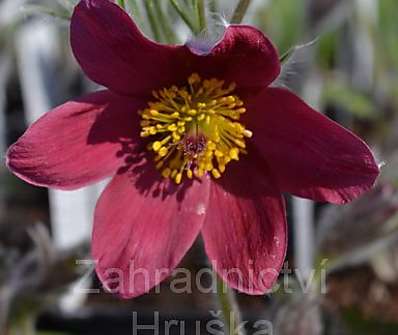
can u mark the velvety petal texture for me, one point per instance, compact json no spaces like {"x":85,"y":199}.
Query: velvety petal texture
{"x":310,"y":155}
{"x":76,"y":144}
{"x":144,"y":224}
{"x":143,"y":227}
{"x":113,"y":52}
{"x":245,"y":229}
{"x":244,"y":56}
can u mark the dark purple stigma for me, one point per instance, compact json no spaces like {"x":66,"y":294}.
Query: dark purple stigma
{"x":193,"y":146}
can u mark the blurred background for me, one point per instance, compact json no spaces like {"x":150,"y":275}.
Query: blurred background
{"x":342,"y":59}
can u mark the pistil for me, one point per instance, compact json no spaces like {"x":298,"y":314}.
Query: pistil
{"x":195,"y":129}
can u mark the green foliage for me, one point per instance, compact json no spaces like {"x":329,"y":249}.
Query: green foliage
{"x":387,"y":34}
{"x":327,"y":50}
{"x":121,"y":3}
{"x":186,"y":12}
{"x":283,"y":21}
{"x":240,"y":11}
{"x":358,"y":324}
{"x":351,"y":100}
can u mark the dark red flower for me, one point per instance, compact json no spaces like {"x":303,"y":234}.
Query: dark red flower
{"x":195,"y":142}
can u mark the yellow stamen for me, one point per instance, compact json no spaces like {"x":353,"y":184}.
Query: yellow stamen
{"x":194,"y":129}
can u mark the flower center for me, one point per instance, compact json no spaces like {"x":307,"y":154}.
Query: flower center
{"x":194,"y":130}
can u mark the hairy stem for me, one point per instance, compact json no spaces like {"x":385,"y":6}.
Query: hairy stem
{"x":167,"y":29}
{"x":153,"y":22}
{"x":184,"y":16}
{"x":201,"y":13}
{"x":229,"y":307}
{"x":240,"y":11}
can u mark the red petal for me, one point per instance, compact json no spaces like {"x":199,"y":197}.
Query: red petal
{"x":76,"y":143}
{"x":143,"y":227}
{"x":245,"y":229}
{"x":113,"y":52}
{"x":244,"y":56}
{"x":310,"y":155}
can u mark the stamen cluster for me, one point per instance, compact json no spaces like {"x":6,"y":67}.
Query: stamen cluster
{"x":195,"y":128}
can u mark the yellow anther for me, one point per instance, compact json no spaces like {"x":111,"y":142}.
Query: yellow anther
{"x":234,"y":154}
{"x":163,"y":151}
{"x":240,"y":143}
{"x":166,"y":172}
{"x":176,"y":137}
{"x":156,"y":145}
{"x":178,"y":178}
{"x":211,"y":146}
{"x":218,"y":153}
{"x":216,"y":174}
{"x":154,"y":112}
{"x":195,"y":130}
{"x":230,"y":99}
{"x":194,"y":78}
{"x":247,"y":133}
